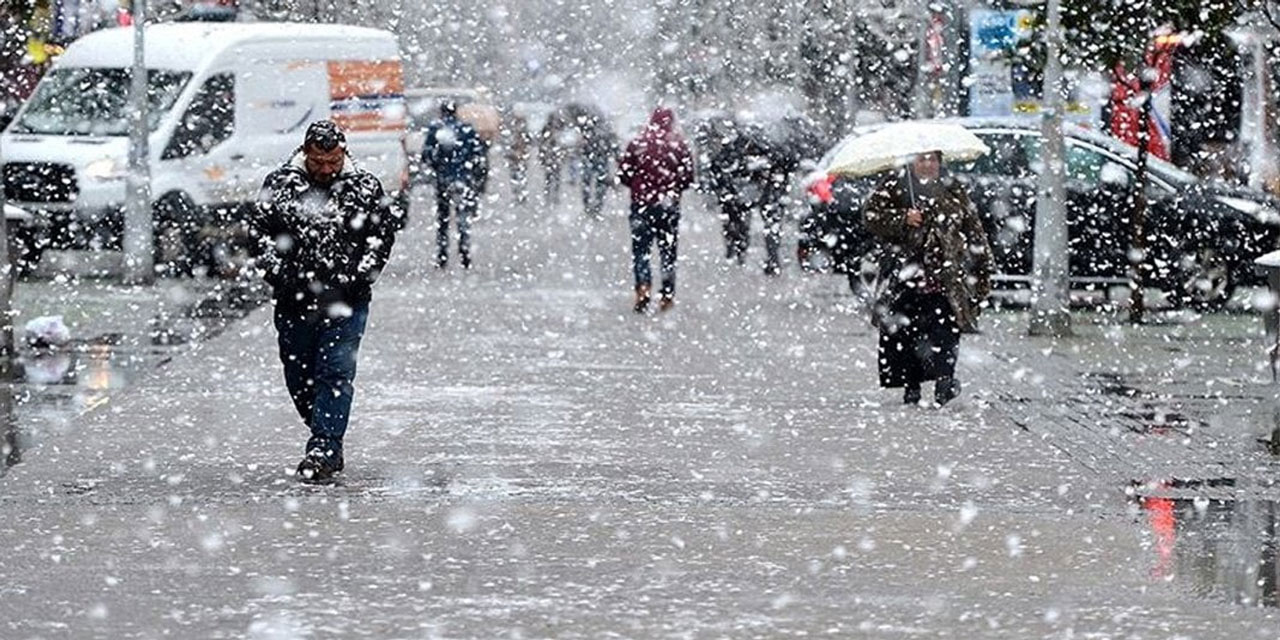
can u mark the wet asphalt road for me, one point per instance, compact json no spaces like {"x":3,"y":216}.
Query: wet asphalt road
{"x":529,"y":459}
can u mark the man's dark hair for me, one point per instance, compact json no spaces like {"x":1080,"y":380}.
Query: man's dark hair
{"x":448,"y":108}
{"x":325,"y":136}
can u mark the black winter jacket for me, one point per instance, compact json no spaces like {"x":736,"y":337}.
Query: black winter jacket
{"x":319,"y":245}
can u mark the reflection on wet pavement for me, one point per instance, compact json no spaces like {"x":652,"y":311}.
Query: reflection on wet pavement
{"x":1220,"y":549}
{"x":52,"y":386}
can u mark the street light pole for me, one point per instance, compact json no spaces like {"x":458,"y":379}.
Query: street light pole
{"x":138,"y":240}
{"x":1050,"y":300}
{"x":7,"y":350}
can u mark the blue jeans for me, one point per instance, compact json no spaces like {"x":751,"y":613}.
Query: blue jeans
{"x":319,"y":357}
{"x":649,"y":224}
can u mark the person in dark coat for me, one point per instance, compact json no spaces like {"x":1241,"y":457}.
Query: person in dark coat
{"x":323,"y":231}
{"x":730,"y":183}
{"x":936,"y":273}
{"x":519,"y":143}
{"x":749,"y":174}
{"x":552,"y":154}
{"x":598,"y":148}
{"x":657,"y":168}
{"x":458,"y":158}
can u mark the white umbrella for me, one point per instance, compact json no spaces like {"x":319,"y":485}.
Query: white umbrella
{"x":894,"y":144}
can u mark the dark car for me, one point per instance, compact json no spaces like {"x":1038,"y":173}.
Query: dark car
{"x":1201,"y":236}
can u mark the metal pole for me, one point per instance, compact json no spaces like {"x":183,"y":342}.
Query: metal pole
{"x":1137,"y":234}
{"x":1137,"y":237}
{"x":138,"y":241}
{"x":1049,"y":307}
{"x":6,"y":296}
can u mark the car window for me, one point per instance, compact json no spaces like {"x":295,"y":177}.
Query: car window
{"x":78,"y":101}
{"x":1095,"y":168}
{"x":1010,"y":157}
{"x":208,"y":122}
{"x":1087,"y":166}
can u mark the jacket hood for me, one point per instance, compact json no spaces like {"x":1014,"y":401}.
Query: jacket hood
{"x":663,"y":119}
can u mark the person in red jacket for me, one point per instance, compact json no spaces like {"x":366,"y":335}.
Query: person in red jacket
{"x":657,"y":168}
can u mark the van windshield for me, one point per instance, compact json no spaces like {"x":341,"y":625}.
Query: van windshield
{"x":93,"y":101}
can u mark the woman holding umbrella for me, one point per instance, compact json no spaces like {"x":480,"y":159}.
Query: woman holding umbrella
{"x":935,"y":272}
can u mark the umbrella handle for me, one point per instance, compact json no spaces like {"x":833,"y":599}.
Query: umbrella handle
{"x":911,"y":186}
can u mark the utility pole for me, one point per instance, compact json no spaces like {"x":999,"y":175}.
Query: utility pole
{"x":1050,"y":315}
{"x":7,"y":351}
{"x":139,"y":245}
{"x":1138,"y":232}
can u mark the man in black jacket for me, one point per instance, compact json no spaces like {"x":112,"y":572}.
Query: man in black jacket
{"x":324,"y":230}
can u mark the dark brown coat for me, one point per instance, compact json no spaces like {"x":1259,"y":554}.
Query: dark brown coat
{"x":950,"y":246}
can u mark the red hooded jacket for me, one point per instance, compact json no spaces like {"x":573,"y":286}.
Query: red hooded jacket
{"x":657,"y":165}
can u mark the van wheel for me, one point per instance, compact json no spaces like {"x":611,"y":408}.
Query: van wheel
{"x":177,"y":235}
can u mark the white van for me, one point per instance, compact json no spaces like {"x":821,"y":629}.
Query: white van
{"x":229,"y":103}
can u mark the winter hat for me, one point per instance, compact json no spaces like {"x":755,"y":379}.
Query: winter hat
{"x":325,"y":135}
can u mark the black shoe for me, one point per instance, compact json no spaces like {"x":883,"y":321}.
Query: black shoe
{"x":911,"y":395}
{"x":466,"y":261}
{"x":316,"y":467}
{"x":945,"y":390}
{"x":442,"y":261}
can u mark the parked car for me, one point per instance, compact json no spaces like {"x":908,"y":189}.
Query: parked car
{"x":228,"y":103}
{"x":1202,"y":235}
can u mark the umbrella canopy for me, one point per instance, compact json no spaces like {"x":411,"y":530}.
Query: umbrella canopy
{"x":894,"y":144}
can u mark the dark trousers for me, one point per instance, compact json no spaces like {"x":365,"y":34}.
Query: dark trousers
{"x":552,"y":188}
{"x":772,"y":213}
{"x":459,"y":201}
{"x":920,"y":340}
{"x":736,"y":219}
{"x":319,"y":357}
{"x":649,"y":224}
{"x":594,"y":186}
{"x":519,"y":181}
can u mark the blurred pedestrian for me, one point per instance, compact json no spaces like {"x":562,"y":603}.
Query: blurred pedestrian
{"x":657,"y":168}
{"x":456,"y":155}
{"x":552,"y":153}
{"x":323,"y":233}
{"x":598,"y":148}
{"x":749,"y":174}
{"x":935,"y":273}
{"x":519,"y":143}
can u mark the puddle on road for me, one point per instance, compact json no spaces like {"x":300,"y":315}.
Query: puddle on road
{"x":1223,"y":550}
{"x":52,"y":387}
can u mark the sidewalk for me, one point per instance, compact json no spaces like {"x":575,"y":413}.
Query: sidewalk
{"x":529,"y":459}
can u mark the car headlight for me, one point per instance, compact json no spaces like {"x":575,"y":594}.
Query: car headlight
{"x":105,"y":169}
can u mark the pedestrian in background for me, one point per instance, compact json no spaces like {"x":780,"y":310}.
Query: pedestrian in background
{"x":519,"y":143}
{"x":729,"y":182}
{"x":657,"y":168}
{"x":552,"y":153}
{"x":935,"y":274}
{"x":598,"y":148}
{"x":456,"y":155}
{"x":323,"y":233}
{"x":750,"y":174}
